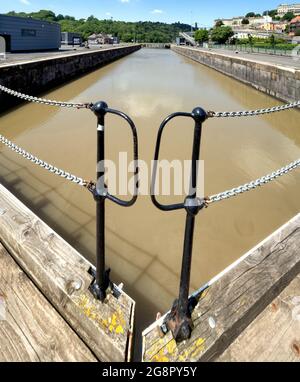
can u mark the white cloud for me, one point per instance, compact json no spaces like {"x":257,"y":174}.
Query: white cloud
{"x":26,"y":2}
{"x":107,"y":14}
{"x":157,"y":11}
{"x":125,"y":1}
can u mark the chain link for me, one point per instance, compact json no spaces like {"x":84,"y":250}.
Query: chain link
{"x":211,"y":114}
{"x":208,"y":200}
{"x":251,"y":113}
{"x":45,"y":101}
{"x":254,"y":184}
{"x":45,"y":165}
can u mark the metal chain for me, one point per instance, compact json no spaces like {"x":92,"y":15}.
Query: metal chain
{"x":45,"y":101}
{"x":211,"y":114}
{"x":45,"y":165}
{"x":251,"y":113}
{"x":208,"y":200}
{"x":254,"y":184}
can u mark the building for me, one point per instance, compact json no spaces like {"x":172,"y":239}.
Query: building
{"x":294,"y":25}
{"x":180,"y":41}
{"x":234,"y":21}
{"x":102,"y":39}
{"x":244,"y":33}
{"x":69,"y":38}
{"x":275,"y":26}
{"x":23,"y":34}
{"x":237,"y":22}
{"x":259,"y":21}
{"x":285,"y":8}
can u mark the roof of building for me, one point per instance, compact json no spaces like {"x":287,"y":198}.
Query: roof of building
{"x":295,"y":20}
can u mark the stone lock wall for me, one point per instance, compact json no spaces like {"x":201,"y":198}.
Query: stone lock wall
{"x":37,"y":76}
{"x":277,"y":81}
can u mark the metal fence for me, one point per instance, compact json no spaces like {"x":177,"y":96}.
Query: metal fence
{"x":262,"y":50}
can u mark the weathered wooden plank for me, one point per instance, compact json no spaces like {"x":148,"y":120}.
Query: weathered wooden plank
{"x":61,"y":273}
{"x":30,"y":328}
{"x":233,"y":301}
{"x":274,"y":336}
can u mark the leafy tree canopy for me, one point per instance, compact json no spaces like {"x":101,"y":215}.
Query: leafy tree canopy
{"x":219,"y":23}
{"x":245,"y":21}
{"x":288,"y":16}
{"x":221,"y":34}
{"x":271,"y":13}
{"x":201,"y":35}
{"x":272,"y":40}
{"x":142,"y":31}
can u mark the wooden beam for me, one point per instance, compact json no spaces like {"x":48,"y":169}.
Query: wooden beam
{"x":62,"y":275}
{"x":31,"y":330}
{"x":274,"y":336}
{"x":234,"y":300}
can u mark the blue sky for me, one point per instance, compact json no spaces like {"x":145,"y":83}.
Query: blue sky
{"x":202,"y":11}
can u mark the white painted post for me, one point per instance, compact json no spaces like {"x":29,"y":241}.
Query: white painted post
{"x":2,"y":48}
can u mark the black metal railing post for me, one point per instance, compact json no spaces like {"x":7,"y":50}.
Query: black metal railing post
{"x":179,"y":319}
{"x":102,"y":283}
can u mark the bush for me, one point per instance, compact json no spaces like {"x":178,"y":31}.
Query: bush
{"x":279,"y":44}
{"x":267,"y":45}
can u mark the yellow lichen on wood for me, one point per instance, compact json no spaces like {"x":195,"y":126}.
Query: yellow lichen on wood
{"x":193,"y":351}
{"x":169,"y":352}
{"x":166,"y":352}
{"x":114,"y":323}
{"x":158,"y":345}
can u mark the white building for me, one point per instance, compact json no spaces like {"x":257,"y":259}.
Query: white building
{"x":259,"y":20}
{"x":285,"y":8}
{"x":102,"y":39}
{"x":244,"y":33}
{"x":237,"y":22}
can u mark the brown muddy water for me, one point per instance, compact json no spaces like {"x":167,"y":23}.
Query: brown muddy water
{"x":144,"y":245}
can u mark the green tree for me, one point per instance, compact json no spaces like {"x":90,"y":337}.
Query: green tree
{"x":245,"y":21}
{"x":69,"y":18}
{"x":271,"y":13}
{"x":221,"y":34}
{"x":44,"y":14}
{"x":272,"y":40}
{"x":250,"y":39}
{"x":60,"y":17}
{"x":288,"y":16}
{"x":297,"y":32}
{"x":250,"y":14}
{"x":143,"y":31}
{"x":219,"y":23}
{"x":201,"y":35}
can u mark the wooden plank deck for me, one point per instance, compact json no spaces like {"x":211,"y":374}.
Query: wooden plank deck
{"x":31,"y":330}
{"x":62,"y":275}
{"x":274,"y":336}
{"x":232,"y":302}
